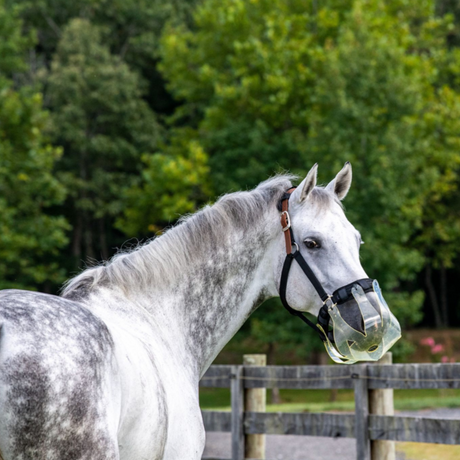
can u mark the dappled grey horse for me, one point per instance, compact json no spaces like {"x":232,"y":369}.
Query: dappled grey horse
{"x":110,"y":369}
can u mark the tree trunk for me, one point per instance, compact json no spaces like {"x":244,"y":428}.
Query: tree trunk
{"x":275,"y":394}
{"x":103,"y":239}
{"x":444,"y":307}
{"x":433,"y":298}
{"x":89,"y":249}
{"x":76,"y":239}
{"x":46,"y":289}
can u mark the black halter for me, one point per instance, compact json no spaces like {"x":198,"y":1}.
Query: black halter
{"x":339,"y":296}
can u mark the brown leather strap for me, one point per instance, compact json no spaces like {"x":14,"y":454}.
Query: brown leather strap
{"x":286,"y":221}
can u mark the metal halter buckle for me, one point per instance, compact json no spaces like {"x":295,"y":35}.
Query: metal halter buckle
{"x":329,"y":303}
{"x":287,"y":220}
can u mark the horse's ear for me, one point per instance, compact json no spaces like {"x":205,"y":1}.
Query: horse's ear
{"x":307,"y":185}
{"x":341,"y":184}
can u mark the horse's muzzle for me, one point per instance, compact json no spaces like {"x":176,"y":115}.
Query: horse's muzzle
{"x":363,"y":327}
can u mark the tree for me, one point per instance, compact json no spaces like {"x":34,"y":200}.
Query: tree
{"x":104,"y":126}
{"x":30,"y":236}
{"x":173,"y":182}
{"x":129,"y":28}
{"x":96,"y":60}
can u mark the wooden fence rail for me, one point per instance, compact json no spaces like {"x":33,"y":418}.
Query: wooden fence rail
{"x":363,"y":426}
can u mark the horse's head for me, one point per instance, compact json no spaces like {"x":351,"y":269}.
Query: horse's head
{"x":320,"y":272}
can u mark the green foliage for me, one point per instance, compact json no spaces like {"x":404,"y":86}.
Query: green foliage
{"x":103,"y":124}
{"x":13,"y":43}
{"x":129,"y":29}
{"x":96,"y":60}
{"x":272,"y":324}
{"x":380,"y":110}
{"x":30,"y":238}
{"x":270,"y":84}
{"x":174,"y":182}
{"x":131,"y":26}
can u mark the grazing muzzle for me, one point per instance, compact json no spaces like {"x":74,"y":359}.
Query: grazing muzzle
{"x":354,"y":323}
{"x":378,"y":332}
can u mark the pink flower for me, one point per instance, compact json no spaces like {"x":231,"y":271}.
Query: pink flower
{"x":428,"y":341}
{"x":437,"y":349}
{"x":444,"y":359}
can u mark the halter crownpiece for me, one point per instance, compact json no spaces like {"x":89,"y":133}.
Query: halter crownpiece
{"x":345,"y":344}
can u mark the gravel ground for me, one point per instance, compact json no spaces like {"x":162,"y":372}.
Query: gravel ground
{"x":289,"y":447}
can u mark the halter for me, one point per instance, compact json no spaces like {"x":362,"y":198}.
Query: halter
{"x":339,"y":296}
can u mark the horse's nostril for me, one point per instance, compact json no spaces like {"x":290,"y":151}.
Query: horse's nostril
{"x":373,"y":348}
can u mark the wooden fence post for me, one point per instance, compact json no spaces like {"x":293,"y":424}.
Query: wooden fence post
{"x":255,"y":400}
{"x":381,"y":403}
{"x":363,"y":448}
{"x":237,"y":396}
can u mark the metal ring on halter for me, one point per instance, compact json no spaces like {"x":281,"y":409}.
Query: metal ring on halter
{"x":297,"y":247}
{"x":331,"y":303}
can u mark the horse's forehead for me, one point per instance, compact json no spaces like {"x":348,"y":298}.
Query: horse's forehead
{"x":324,"y":218}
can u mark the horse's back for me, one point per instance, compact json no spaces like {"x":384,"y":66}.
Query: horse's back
{"x":55,"y":392}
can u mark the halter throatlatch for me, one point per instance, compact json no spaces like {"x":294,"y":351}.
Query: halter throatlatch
{"x":344,"y":344}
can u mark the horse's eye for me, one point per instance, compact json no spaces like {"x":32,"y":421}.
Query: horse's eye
{"x":311,"y":244}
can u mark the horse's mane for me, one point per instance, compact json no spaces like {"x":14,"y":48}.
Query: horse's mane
{"x":160,"y":259}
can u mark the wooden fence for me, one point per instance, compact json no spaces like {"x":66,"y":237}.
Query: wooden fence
{"x":364,"y":379}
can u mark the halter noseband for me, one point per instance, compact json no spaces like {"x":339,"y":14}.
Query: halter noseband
{"x":339,"y":296}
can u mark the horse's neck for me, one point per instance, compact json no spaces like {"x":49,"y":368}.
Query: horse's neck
{"x":222,"y":287}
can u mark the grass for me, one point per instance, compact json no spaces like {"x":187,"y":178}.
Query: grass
{"x":422,"y":451}
{"x":320,"y":400}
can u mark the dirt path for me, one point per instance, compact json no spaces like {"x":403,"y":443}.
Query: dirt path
{"x":308,"y":447}
{"x":288,"y":447}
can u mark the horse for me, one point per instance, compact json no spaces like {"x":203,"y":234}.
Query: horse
{"x":109,"y":370}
